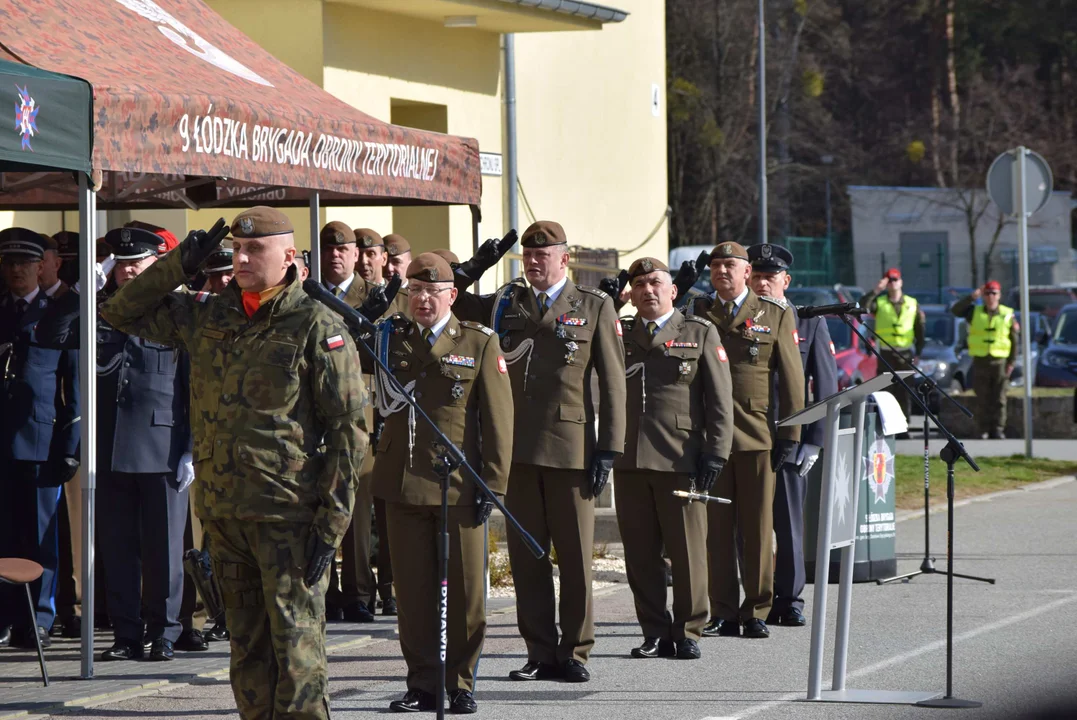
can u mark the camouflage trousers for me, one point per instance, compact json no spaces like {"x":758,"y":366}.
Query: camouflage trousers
{"x":278,"y":665}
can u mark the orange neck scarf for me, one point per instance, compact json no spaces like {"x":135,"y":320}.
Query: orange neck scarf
{"x":254,"y":300}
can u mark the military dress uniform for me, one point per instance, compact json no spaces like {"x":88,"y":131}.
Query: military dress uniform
{"x":760,"y":338}
{"x":460,"y":380}
{"x":993,"y":339}
{"x":39,"y":436}
{"x":553,"y":354}
{"x":680,"y":406}
{"x":277,"y":415}
{"x":901,"y":324}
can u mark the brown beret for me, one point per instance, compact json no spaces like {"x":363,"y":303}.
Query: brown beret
{"x":261,"y":221}
{"x":543,"y":233}
{"x":646,"y":266}
{"x":397,"y":244}
{"x":67,"y":243}
{"x":729,"y":250}
{"x":449,"y":255}
{"x":367,"y":238}
{"x":336,"y":233}
{"x":51,"y":244}
{"x":430,"y":267}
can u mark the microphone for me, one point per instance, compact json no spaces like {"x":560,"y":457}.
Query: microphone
{"x":351,"y":317}
{"x":810,"y":311}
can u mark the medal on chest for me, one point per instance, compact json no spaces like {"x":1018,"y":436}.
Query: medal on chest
{"x":457,"y":390}
{"x":570,"y":356}
{"x":685,"y":368}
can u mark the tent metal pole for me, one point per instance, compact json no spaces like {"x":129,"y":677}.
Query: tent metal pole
{"x":88,"y":395}
{"x":315,"y":238}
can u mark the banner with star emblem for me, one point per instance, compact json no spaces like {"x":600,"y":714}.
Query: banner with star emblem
{"x":51,"y":116}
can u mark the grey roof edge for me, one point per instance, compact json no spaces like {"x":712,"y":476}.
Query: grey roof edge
{"x":587,"y":10}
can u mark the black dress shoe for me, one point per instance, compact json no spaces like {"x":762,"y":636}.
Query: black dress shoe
{"x":72,"y":628}
{"x":217,"y":633}
{"x":756,"y":628}
{"x":334,"y":614}
{"x":123,"y":650}
{"x":573,"y":671}
{"x":357,"y":612}
{"x":536,"y":671}
{"x":389,"y":608}
{"x":790,"y":617}
{"x":652,"y":647}
{"x":5,"y":636}
{"x":414,"y":701}
{"x":161,"y":650}
{"x":191,"y":640}
{"x":23,"y":638}
{"x":462,"y":702}
{"x":688,"y":649}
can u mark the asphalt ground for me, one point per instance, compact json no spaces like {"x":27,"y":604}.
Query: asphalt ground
{"x":1015,"y":649}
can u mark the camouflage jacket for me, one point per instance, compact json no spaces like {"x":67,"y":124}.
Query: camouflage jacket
{"x":276,"y":400}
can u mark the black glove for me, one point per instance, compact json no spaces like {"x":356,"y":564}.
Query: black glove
{"x":483,"y":507}
{"x":707,"y":471}
{"x":614,"y":286}
{"x":784,"y":451}
{"x":379,"y":299}
{"x":200,"y":244}
{"x":61,"y":470}
{"x":319,"y":555}
{"x":486,"y":257}
{"x":686,"y":278}
{"x":703,"y":263}
{"x":601,"y":464}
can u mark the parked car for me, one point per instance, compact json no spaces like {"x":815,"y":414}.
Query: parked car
{"x":945,"y":358}
{"x":800,"y":296}
{"x":933,"y":296}
{"x":1045,"y":299}
{"x":1041,"y":335}
{"x":855,"y":363}
{"x":849,"y":293}
{"x":1057,"y":366}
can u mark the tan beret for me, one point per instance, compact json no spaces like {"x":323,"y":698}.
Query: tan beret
{"x":543,"y":233}
{"x":367,"y":238}
{"x":430,"y":267}
{"x":397,"y":244}
{"x":261,"y":221}
{"x":336,"y":233}
{"x":646,"y":266}
{"x":449,"y":255}
{"x":67,"y":243}
{"x":727,"y":250}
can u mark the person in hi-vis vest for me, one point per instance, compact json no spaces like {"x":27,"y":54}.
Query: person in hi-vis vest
{"x":993,"y":330}
{"x":900,"y":322}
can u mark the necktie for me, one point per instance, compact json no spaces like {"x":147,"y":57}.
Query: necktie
{"x":542,"y":300}
{"x":428,"y":335}
{"x":729,"y":307}
{"x":337,"y":292}
{"x":20,"y":308}
{"x":652,"y":328}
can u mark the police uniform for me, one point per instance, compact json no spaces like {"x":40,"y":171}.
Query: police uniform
{"x":38,"y":441}
{"x":278,"y":439}
{"x":760,"y":337}
{"x":680,"y":407}
{"x":993,"y":338}
{"x":461,"y":381}
{"x":821,"y":377}
{"x":553,"y":354}
{"x":902,"y":325}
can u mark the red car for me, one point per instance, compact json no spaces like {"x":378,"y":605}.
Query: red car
{"x":855,"y":365}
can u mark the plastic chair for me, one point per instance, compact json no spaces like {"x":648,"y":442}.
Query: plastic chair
{"x":17,"y":571}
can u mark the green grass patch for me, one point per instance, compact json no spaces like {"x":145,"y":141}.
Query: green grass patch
{"x":1019,"y":391}
{"x":996,"y":473}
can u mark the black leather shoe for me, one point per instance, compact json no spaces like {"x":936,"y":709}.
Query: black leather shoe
{"x":334,"y":614}
{"x":161,"y":650}
{"x":218,"y":633}
{"x":389,"y":608}
{"x":688,"y":649}
{"x":536,"y":671}
{"x":573,"y":671}
{"x":414,"y":701}
{"x":23,"y":638}
{"x":191,"y":640}
{"x":5,"y":636}
{"x":718,"y":627}
{"x":123,"y":650}
{"x":357,"y":612}
{"x":72,"y":628}
{"x":756,"y":628}
{"x":790,"y":617}
{"x":462,"y":702}
{"x":653,"y":647}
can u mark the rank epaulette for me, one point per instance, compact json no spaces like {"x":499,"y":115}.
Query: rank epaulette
{"x":628,"y":322}
{"x":701,"y":320}
{"x":476,"y":326}
{"x":592,"y":291}
{"x":780,"y":303}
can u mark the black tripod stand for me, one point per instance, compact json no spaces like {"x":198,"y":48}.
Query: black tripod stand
{"x":449,"y":459}
{"x":927,"y":565}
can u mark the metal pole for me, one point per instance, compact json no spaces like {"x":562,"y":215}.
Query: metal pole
{"x":829,"y":227}
{"x":315,"y":237}
{"x":762,"y":126}
{"x":848,"y":558}
{"x":510,"y":177}
{"x":822,"y":555}
{"x":88,"y":397}
{"x":1026,"y":334}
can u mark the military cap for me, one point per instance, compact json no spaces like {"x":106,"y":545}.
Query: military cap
{"x":993,"y":285}
{"x":20,"y":241}
{"x":367,"y":238}
{"x":261,"y":221}
{"x":396,"y":244}
{"x":646,"y":266}
{"x":768,"y":257}
{"x":67,"y":243}
{"x":543,"y":233}
{"x":892,"y":274}
{"x":336,"y":233}
{"x":430,"y":267}
{"x":449,"y":255}
{"x":129,"y":243}
{"x":220,"y":261}
{"x":168,"y":240}
{"x":727,"y":250}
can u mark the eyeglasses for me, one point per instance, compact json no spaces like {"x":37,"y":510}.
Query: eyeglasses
{"x":892,"y":279}
{"x":420,"y":290}
{"x":991,"y":292}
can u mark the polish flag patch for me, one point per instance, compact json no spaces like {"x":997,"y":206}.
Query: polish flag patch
{"x":620,"y":332}
{"x":334,"y":342}
{"x":796,"y":338}
{"x":201,"y":297}
{"x":832,"y":350}
{"x":501,"y":366}
{"x":721,"y":355}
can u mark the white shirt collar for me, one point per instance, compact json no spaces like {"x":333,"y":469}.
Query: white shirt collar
{"x":737,"y":301}
{"x":343,"y":286}
{"x":28,"y":298}
{"x":552,"y":292}
{"x":661,"y":321}
{"x":439,"y":326}
{"x":52,"y":290}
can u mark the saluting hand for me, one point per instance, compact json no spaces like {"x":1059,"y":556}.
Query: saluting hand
{"x":200,"y":244}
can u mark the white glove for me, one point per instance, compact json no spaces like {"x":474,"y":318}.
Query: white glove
{"x":101,"y":270}
{"x":185,"y":472}
{"x":807,"y":456}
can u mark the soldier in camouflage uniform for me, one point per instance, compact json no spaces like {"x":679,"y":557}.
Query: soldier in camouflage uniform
{"x":279,"y":435}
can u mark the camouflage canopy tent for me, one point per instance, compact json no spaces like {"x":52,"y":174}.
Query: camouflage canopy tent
{"x":147,"y":104}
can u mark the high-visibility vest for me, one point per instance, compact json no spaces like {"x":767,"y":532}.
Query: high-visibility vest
{"x":894,"y":328}
{"x":989,"y":335}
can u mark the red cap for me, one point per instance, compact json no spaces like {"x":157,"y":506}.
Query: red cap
{"x":893,"y":274}
{"x":992,"y":285}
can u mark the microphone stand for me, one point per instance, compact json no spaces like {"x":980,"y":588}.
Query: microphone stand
{"x":449,"y":458}
{"x":950,"y":454}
